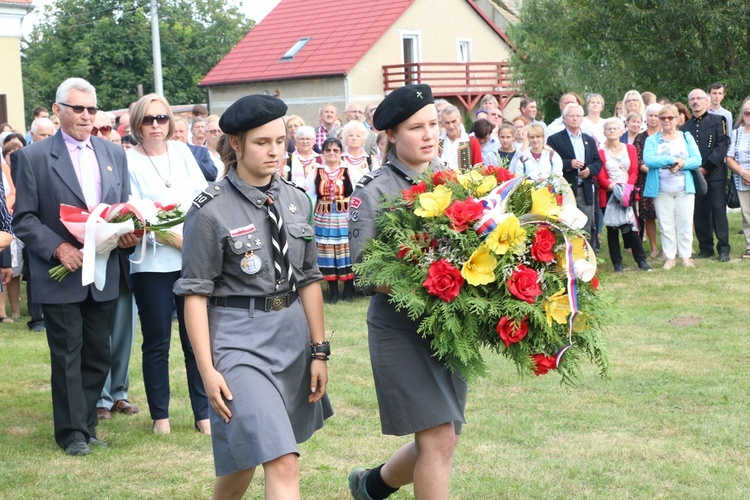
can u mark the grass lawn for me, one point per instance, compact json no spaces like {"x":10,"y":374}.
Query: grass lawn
{"x":673,"y":421}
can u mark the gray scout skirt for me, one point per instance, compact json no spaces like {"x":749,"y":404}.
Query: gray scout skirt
{"x":415,"y":390}
{"x":265,"y":359}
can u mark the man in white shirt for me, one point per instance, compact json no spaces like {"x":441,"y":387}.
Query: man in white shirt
{"x":557,"y":124}
{"x":456,"y":148}
{"x":716,"y":94}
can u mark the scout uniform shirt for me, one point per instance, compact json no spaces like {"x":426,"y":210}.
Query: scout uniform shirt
{"x":228,"y":249}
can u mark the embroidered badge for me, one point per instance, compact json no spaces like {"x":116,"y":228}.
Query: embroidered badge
{"x":293,"y":208}
{"x":354,"y":202}
{"x":353,"y":215}
{"x":242,"y":230}
{"x":419,"y":94}
{"x":258,"y":243}
{"x":250,"y":263}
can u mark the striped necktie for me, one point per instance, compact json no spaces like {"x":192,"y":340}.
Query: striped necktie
{"x":280,"y":247}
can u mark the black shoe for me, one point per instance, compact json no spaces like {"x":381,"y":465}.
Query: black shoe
{"x":704,"y":255}
{"x":618,"y":268}
{"x":643,"y":265}
{"x":77,"y":448}
{"x":349,"y":290}
{"x":724,"y":257}
{"x":333,"y":292}
{"x":96,"y":442}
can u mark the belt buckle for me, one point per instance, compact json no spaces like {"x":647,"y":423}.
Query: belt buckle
{"x":278,"y":302}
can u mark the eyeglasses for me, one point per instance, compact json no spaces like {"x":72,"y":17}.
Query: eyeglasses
{"x":92,"y":110}
{"x":667,"y":118}
{"x":746,"y":113}
{"x":332,"y":150}
{"x":105,"y":130}
{"x":633,"y":100}
{"x":160,"y":119}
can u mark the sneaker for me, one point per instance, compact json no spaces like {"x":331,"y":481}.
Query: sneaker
{"x":669,"y":264}
{"x":357,"y":484}
{"x":643,"y":265}
{"x":687,"y":262}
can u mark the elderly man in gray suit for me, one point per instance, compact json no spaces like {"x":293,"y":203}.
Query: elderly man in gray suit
{"x":78,"y":169}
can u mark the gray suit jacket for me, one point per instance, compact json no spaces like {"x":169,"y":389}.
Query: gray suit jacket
{"x":46,"y":178}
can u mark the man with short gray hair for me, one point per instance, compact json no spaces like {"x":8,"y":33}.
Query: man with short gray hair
{"x":581,"y":162}
{"x":455,"y":147}
{"x":77,"y":169}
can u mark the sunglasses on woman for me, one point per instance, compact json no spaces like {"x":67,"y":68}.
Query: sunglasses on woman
{"x":160,"y":119}
{"x":105,"y":130}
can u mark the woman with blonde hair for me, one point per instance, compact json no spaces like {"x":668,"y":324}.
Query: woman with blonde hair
{"x":593,"y":123}
{"x":671,"y":156}
{"x":538,"y":161}
{"x":163,"y":171}
{"x":293,"y":123}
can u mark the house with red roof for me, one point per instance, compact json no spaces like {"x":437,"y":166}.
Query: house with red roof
{"x":12,"y":13}
{"x":313,"y":52}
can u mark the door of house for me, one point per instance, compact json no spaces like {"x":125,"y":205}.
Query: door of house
{"x":410,"y":51}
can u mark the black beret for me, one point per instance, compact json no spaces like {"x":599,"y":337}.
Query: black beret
{"x":401,"y":104}
{"x":251,"y":111}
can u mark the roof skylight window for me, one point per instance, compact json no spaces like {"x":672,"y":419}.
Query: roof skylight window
{"x":295,"y":49}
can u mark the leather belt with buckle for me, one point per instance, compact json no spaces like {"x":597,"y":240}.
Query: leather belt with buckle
{"x":270,"y":303}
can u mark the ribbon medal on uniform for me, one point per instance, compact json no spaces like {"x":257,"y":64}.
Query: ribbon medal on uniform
{"x":250,"y":263}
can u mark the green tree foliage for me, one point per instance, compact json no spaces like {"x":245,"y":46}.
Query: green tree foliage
{"x":613,"y":46}
{"x":108,"y":42}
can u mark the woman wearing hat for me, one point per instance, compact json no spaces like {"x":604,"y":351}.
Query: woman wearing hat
{"x":254,"y":306}
{"x":417,"y":394}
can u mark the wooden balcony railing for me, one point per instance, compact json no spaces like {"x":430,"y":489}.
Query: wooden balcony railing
{"x":466,"y":81}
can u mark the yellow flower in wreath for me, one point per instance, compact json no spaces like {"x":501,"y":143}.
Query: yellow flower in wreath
{"x":544,"y":203}
{"x":557,"y":307}
{"x":480,"y":268}
{"x":477,"y":183}
{"x":434,"y":203}
{"x":508,"y":235}
{"x":579,"y":252}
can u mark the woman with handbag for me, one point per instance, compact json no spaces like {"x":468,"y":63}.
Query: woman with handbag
{"x":620,"y":167}
{"x":671,"y":156}
{"x":738,"y":161}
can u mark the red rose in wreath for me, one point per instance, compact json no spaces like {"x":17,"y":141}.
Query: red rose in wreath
{"x":411,"y":194}
{"x":443,"y":280}
{"x":463,"y":213}
{"x":524,"y":284}
{"x":544,"y":364}
{"x":511,"y":331}
{"x":543,"y":244}
{"x":444,"y":176}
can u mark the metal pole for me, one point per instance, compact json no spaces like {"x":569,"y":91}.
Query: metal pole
{"x":156,"y":48}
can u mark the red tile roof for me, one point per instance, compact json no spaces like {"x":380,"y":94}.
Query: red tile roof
{"x":17,"y":2}
{"x":340,"y":32}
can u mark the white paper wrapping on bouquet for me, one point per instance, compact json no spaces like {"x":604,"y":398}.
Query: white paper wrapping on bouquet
{"x":99,"y":238}
{"x":571,"y":216}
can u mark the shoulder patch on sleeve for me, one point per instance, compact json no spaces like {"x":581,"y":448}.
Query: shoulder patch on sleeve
{"x":204,"y":197}
{"x":290,"y":183}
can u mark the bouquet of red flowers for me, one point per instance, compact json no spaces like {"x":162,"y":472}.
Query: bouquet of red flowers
{"x":486,"y":260}
{"x":100,"y":228}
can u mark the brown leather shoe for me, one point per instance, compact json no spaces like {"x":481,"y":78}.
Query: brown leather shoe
{"x":103,"y":413}
{"x":125,"y":407}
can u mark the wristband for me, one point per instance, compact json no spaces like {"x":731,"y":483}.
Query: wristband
{"x":323,"y":348}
